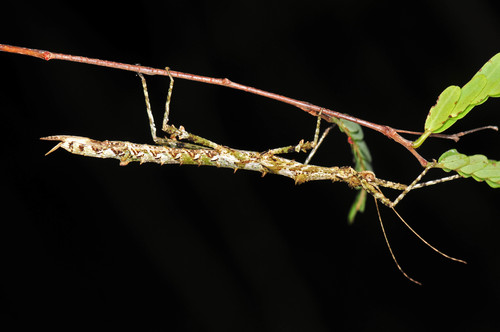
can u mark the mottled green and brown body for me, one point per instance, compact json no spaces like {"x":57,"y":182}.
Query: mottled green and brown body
{"x":221,"y":156}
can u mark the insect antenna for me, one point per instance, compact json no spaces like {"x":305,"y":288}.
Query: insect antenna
{"x":424,"y":241}
{"x":390,"y":249}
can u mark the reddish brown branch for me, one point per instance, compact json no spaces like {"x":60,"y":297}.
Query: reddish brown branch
{"x":326,"y":113}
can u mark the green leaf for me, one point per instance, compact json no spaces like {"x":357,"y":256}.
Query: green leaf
{"x":476,"y":163}
{"x":477,"y":166}
{"x":440,"y":112}
{"x":447,"y":154}
{"x":491,"y":171}
{"x":352,"y":129}
{"x":454,"y":162}
{"x":494,"y":184}
{"x":362,"y":160}
{"x":491,"y":70}
{"x":455,"y":103}
{"x":357,"y":206}
{"x":468,"y":98}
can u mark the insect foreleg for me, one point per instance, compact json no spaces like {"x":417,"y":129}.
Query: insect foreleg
{"x":148,"y":109}
{"x":416,"y":183}
{"x":412,"y":185}
{"x":167,"y":103}
{"x":175,"y":133}
{"x":318,"y":143}
{"x":433,"y":182}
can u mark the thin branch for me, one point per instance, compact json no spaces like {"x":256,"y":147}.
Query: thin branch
{"x":314,"y":110}
{"x":454,"y":137}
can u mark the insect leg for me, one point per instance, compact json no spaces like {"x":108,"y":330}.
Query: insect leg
{"x":390,"y":249}
{"x":425,"y":242}
{"x":148,"y":109}
{"x":318,"y":143}
{"x":315,"y":142}
{"x":377,"y":194}
{"x":372,"y":188}
{"x":167,"y":104}
{"x":304,"y":146}
{"x":412,"y":185}
{"x":433,"y":182}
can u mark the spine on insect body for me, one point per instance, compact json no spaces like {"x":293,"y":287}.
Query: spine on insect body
{"x":264,"y":163}
{"x":128,"y":152}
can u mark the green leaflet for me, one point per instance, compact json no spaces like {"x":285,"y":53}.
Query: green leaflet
{"x":477,"y":166}
{"x":469,"y":97}
{"x":491,"y":70}
{"x":362,"y":160}
{"x":445,"y":105}
{"x":455,"y":103}
{"x":357,"y":206}
{"x":360,"y":151}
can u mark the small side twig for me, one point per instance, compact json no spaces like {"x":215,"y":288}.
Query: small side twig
{"x":454,"y":137}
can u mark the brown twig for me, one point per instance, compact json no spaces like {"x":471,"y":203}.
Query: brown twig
{"x":454,"y":137}
{"x":314,"y":110}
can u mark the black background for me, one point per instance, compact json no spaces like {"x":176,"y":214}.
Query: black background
{"x":86,"y":243}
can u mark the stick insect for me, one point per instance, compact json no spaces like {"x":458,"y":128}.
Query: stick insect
{"x":184,"y":148}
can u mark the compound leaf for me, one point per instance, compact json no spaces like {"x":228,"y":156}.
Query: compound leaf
{"x":468,"y":99}
{"x":455,"y":103}
{"x":477,"y":166}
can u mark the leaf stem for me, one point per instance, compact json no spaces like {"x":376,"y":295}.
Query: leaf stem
{"x":455,"y":137}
